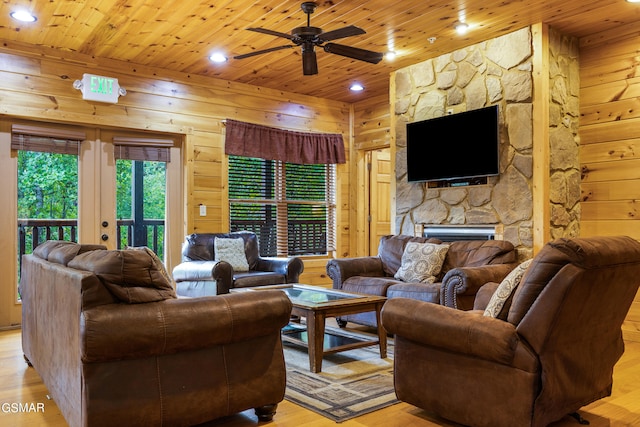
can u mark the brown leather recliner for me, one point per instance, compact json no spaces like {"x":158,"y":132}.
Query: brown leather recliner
{"x":468,"y":265}
{"x":200,"y":274}
{"x":554,"y":352}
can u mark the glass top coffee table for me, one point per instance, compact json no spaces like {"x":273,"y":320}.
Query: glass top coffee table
{"x":316,"y":304}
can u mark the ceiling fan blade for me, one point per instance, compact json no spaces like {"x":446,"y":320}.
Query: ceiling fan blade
{"x":309,"y":61}
{"x":354,"y":52}
{"x":349,"y":31}
{"x":260,"y":52}
{"x":271,"y":32}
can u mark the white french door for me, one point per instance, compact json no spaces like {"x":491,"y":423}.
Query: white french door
{"x":96,"y":200}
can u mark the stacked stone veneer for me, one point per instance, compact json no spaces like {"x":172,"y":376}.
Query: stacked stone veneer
{"x":498,"y":71}
{"x":564,"y":162}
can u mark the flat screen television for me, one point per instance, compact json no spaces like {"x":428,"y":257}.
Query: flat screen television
{"x":456,"y":147}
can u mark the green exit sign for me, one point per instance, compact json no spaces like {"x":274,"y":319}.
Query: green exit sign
{"x":99,"y":88}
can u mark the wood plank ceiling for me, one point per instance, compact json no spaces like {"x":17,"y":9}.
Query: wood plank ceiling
{"x":179,"y":36}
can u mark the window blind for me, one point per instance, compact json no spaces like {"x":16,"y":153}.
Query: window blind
{"x":291,"y":207}
{"x":46,"y":139}
{"x":142,"y":149}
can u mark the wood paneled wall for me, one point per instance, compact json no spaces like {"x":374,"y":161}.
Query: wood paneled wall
{"x":371,"y":123}
{"x":37,"y":83}
{"x":610,"y":140}
{"x":371,"y":131}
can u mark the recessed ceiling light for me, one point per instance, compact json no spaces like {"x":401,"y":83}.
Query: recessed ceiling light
{"x":23,"y":16}
{"x":391,"y":55}
{"x":461,"y":27}
{"x":356,"y":87}
{"x":218,"y":58}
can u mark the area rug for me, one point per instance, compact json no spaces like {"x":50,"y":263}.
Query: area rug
{"x":352,"y":383}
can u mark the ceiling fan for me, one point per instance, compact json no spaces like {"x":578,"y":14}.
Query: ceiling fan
{"x":309,"y":37}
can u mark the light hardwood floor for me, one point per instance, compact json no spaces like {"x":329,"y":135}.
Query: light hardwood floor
{"x":21,"y":384}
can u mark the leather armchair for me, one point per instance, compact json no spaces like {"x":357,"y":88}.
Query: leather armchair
{"x":200,"y":274}
{"x":550,"y":351}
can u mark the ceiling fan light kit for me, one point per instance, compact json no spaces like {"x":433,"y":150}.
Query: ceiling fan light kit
{"x":308,"y":38}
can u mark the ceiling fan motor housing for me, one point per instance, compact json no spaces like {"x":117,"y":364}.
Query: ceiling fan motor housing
{"x":306,"y":32}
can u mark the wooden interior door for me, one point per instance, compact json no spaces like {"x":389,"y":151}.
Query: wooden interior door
{"x":379,"y":196}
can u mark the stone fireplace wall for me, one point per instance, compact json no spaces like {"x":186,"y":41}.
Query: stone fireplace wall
{"x":498,"y":71}
{"x":564,"y":143}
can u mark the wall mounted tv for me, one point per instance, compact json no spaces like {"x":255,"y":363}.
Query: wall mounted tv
{"x":455,"y":148}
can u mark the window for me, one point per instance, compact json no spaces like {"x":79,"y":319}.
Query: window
{"x":290,"y":207}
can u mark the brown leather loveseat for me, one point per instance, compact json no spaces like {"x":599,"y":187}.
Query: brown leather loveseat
{"x":547,"y":350}
{"x":201,"y":272}
{"x":114,"y":346}
{"x":467,"y":266}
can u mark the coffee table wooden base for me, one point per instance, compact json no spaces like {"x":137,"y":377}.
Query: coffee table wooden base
{"x":316,"y":318}
{"x":316,"y":304}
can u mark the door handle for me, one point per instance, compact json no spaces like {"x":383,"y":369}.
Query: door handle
{"x":105,"y":237}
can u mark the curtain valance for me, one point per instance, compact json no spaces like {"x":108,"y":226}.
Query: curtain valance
{"x":251,"y":140}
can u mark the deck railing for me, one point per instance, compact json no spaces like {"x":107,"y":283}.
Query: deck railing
{"x":32,"y":232}
{"x":305,"y":237}
{"x":152,"y":235}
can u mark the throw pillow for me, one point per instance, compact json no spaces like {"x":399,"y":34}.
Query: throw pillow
{"x":44,"y":249}
{"x":421,"y":262}
{"x":157,"y":262}
{"x":132,"y":276}
{"x":63,"y":254}
{"x":504,"y":290}
{"x":232,"y":251}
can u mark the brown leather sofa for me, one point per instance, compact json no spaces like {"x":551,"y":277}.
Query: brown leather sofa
{"x":199,"y":274}
{"x":468,"y":265}
{"x":114,"y":346}
{"x":550,"y":350}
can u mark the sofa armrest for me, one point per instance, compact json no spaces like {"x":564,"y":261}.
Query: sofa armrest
{"x":219,"y":271}
{"x":340,"y":269}
{"x":464,"y":332}
{"x":131,"y":331}
{"x":290,"y":267}
{"x":484,"y":295}
{"x":460,"y":285}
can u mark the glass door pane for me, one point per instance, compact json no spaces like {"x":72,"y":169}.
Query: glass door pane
{"x":140,"y":204}
{"x":47,"y":198}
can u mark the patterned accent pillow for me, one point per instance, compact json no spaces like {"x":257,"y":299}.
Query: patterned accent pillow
{"x":421,"y":262}
{"x":504,"y":290}
{"x":232,"y":251}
